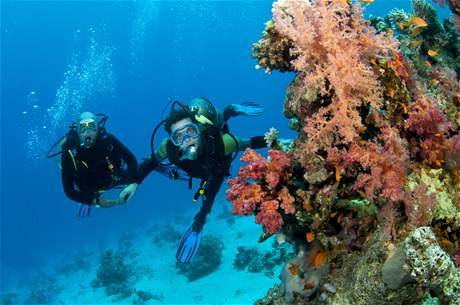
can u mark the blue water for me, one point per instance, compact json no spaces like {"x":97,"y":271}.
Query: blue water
{"x":125,"y":59}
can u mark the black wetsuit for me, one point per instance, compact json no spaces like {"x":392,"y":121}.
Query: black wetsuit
{"x":88,"y":171}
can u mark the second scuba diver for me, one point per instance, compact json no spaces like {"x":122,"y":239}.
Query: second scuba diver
{"x":93,"y":162}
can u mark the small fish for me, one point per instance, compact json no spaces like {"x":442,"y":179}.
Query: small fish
{"x":416,"y":32}
{"x":320,"y":259}
{"x":456,"y":98}
{"x":340,"y":218}
{"x":404,"y":108}
{"x":366,"y":1}
{"x":434,"y":82}
{"x":415,"y":43}
{"x":338,"y":172}
{"x":432,"y":53}
{"x":390,"y":31}
{"x":427,"y":63}
{"x":310,"y":236}
{"x":361,"y":129}
{"x":312,"y":257}
{"x":417,"y":21}
{"x":294,"y":269}
{"x":397,"y":60}
{"x":391,"y":92}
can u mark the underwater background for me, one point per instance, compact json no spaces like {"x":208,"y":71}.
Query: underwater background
{"x":125,"y":59}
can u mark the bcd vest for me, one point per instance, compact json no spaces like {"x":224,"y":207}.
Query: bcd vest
{"x":97,"y":168}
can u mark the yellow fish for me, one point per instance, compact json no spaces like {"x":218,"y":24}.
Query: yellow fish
{"x":417,"y":21}
{"x":417,"y":31}
{"x":432,"y":53}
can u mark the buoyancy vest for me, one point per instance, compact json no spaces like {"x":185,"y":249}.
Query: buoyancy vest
{"x":97,"y":168}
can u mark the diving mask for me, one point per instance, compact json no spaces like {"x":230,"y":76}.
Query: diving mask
{"x":179,"y":135}
{"x":87,"y":125}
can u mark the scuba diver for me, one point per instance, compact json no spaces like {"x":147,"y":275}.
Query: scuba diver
{"x":200,"y":144}
{"x":93,"y":162}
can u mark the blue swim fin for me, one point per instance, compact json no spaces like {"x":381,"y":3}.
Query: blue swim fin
{"x":84,"y":210}
{"x":189,"y":245}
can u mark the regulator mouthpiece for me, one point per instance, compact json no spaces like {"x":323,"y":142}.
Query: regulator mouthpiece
{"x":190,"y":153}
{"x":87,"y":143}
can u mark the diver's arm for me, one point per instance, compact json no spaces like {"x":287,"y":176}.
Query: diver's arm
{"x":151,"y":163}
{"x":127,"y":156}
{"x":68,"y":183}
{"x":243,"y":143}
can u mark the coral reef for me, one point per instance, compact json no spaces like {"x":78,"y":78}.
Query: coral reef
{"x":44,"y":290}
{"x":376,"y":158}
{"x":113,"y":274}
{"x":256,"y":261}
{"x":207,"y":259}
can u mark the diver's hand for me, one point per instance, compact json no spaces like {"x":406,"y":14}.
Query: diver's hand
{"x":248,"y":108}
{"x":127,"y":193}
{"x":106,"y":202}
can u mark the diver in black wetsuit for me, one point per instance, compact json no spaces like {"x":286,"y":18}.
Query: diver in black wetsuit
{"x":200,"y":144}
{"x":93,"y":162}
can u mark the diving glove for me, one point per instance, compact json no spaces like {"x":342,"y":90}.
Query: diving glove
{"x":248,"y":108}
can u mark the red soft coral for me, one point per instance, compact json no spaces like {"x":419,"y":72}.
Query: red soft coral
{"x":269,"y":216}
{"x":427,"y":120}
{"x":261,"y":189}
{"x":244,"y":196}
{"x":286,"y":201}
{"x":383,"y":167}
{"x":256,"y":168}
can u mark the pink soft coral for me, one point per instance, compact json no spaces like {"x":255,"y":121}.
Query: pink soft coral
{"x":333,"y":46}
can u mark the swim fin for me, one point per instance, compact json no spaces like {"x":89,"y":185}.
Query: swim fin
{"x":84,"y":210}
{"x":189,"y":245}
{"x":248,"y":108}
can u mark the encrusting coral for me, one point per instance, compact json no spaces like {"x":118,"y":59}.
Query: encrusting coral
{"x":377,"y":155}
